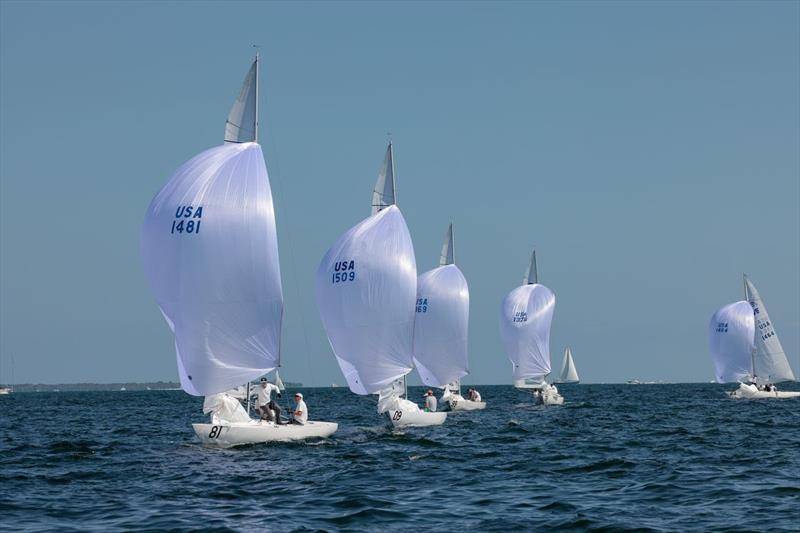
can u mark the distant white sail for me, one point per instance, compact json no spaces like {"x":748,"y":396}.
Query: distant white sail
{"x":366,"y":288}
{"x":731,"y":342}
{"x":384,"y":193}
{"x":442,"y":318}
{"x":569,"y":374}
{"x":279,"y":381}
{"x":771,"y":364}
{"x":447,"y":257}
{"x":242,"y":123}
{"x":525,"y":318}
{"x":211,"y":259}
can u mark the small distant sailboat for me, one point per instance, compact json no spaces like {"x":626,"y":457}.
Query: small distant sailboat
{"x":210,"y":252}
{"x":525,"y":318}
{"x":366,"y":292}
{"x":440,"y":330}
{"x":745,"y":348}
{"x":568,"y":374}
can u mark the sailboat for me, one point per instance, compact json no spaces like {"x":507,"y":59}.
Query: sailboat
{"x":568,"y":374}
{"x":746,"y":349}
{"x":440,"y":330}
{"x":366,"y":288}
{"x":525,"y":318}
{"x":210,"y":252}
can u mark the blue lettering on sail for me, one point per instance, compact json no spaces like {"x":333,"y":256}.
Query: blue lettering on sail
{"x":722,"y":327}
{"x":343,"y":271}
{"x":181,"y":225}
{"x":422,"y":305}
{"x":520,"y":316}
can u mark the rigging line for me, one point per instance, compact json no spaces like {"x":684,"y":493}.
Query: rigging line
{"x":273,"y":142}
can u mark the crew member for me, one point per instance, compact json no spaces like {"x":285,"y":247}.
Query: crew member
{"x":430,"y":401}
{"x":267,"y":408}
{"x":474,"y":395}
{"x":300,"y":413}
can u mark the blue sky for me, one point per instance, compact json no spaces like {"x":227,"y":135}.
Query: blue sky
{"x":650,"y":151}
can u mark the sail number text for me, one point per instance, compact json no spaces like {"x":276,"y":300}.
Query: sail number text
{"x":422,"y":305}
{"x":344,"y":271}
{"x":187,"y":219}
{"x":520,"y":316}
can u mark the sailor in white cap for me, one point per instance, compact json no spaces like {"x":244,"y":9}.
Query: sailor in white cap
{"x":300,"y":414}
{"x":266,"y":407}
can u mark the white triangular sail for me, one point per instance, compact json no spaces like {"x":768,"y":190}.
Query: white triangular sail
{"x":242,"y":123}
{"x":442,"y":318}
{"x":366,"y":286}
{"x":211,"y":259}
{"x":384,"y":193}
{"x":731,"y":342}
{"x":447,"y":257}
{"x":569,"y":374}
{"x":531,"y":275}
{"x":279,"y":381}
{"x":771,"y":364}
{"x":525,"y":318}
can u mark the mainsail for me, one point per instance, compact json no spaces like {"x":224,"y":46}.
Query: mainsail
{"x":731,"y":341}
{"x":442,"y":317}
{"x":525,"y":318}
{"x":242,"y":123}
{"x":770,"y":362}
{"x":383,"y":195}
{"x":569,"y":374}
{"x":531,"y":275}
{"x":366,"y":287}
{"x":211,"y":258}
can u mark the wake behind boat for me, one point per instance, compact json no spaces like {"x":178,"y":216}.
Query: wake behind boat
{"x":210,"y":252}
{"x":525,"y":318}
{"x":366,"y":292}
{"x":745,"y":348}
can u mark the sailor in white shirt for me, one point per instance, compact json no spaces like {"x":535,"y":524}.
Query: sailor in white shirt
{"x":474,"y":395}
{"x":430,"y":401}
{"x":264,"y":405}
{"x":300,"y":410}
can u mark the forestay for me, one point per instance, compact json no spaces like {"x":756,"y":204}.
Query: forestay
{"x":771,"y":364}
{"x":442,"y":317}
{"x":241,"y":125}
{"x":366,"y":287}
{"x":730,"y":336}
{"x":525,"y":318}
{"x":211,"y":259}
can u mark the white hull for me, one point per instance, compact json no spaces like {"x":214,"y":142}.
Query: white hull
{"x":415,"y":418}
{"x":750,"y":392}
{"x":259,"y":431}
{"x":545,"y":394}
{"x":459,"y":403}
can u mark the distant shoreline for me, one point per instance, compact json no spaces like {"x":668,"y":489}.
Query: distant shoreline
{"x":151,"y":385}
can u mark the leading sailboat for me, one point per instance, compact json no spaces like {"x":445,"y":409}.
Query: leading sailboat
{"x":366,"y":292}
{"x":210,"y":252}
{"x":745,"y":348}
{"x":525,"y":318}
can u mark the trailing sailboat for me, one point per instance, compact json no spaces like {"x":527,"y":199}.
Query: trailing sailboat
{"x":210,"y":252}
{"x":366,"y":292}
{"x":525,"y":318}
{"x":440,"y":332}
{"x":745,"y":348}
{"x":568,"y":374}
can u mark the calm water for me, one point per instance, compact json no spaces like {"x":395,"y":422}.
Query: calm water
{"x":663,"y":457}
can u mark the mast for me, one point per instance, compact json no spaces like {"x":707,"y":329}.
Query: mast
{"x":258,"y":56}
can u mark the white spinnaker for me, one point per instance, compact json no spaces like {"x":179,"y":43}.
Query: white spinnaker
{"x":440,"y":331}
{"x":241,"y":125}
{"x":569,"y":374}
{"x":384,"y":193}
{"x":771,"y":364}
{"x":366,"y":288}
{"x":731,"y":342}
{"x":525,"y":318}
{"x":210,"y":254}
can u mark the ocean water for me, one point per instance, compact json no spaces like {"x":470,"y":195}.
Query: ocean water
{"x":648,"y":457}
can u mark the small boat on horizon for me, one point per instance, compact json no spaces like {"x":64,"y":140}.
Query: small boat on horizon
{"x":568,"y":374}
